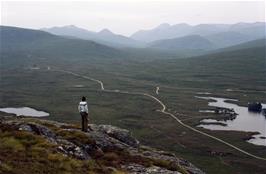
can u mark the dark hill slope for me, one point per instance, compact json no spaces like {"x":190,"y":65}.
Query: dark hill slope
{"x":42,"y":43}
{"x":24,"y":48}
{"x":14,"y":37}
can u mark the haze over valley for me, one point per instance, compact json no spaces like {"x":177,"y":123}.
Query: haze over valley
{"x":172,"y":37}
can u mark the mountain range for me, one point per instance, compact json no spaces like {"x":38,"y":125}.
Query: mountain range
{"x":104,"y":36}
{"x":171,"y":37}
{"x":70,"y":46}
{"x":167,"y":31}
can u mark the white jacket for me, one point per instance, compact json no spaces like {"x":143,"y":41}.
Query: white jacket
{"x":83,"y":106}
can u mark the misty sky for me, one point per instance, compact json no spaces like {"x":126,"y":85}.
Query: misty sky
{"x":126,"y":17}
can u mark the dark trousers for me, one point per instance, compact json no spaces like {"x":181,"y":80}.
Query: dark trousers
{"x":84,"y":121}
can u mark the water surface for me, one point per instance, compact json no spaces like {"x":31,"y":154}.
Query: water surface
{"x":245,"y":120}
{"x":25,"y":111}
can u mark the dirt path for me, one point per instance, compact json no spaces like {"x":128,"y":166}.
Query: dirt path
{"x":163,"y":110}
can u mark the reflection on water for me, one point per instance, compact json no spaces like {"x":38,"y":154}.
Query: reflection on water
{"x":207,"y":111}
{"x":25,"y":111}
{"x":245,"y":121}
{"x":210,"y":121}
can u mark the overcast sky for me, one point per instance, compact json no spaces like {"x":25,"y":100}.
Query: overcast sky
{"x":126,"y":17}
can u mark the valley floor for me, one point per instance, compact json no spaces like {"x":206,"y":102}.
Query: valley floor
{"x":138,"y":111}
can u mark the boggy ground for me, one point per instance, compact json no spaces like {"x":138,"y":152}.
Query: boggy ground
{"x":56,"y":91}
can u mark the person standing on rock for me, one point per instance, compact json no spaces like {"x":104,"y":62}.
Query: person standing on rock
{"x":83,"y":110}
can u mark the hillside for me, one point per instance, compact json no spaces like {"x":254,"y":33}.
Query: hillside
{"x":13,"y":38}
{"x":228,"y":68}
{"x":251,"y":44}
{"x":52,"y":147}
{"x":229,"y":38}
{"x":191,"y":42}
{"x":256,"y":30}
{"x":42,"y":44}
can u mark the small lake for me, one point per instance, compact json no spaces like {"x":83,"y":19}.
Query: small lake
{"x":25,"y":111}
{"x":245,"y":120}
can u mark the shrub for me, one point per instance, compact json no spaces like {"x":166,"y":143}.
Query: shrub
{"x":5,"y":168}
{"x":111,"y":156}
{"x":12,"y":144}
{"x":77,"y":137}
{"x":118,"y":172}
{"x":169,"y":165}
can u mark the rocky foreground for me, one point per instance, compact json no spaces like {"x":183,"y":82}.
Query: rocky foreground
{"x":39,"y":146}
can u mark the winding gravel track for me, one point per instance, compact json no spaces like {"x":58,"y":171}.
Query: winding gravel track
{"x":163,"y":110}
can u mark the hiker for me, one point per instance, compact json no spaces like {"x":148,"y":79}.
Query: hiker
{"x":83,"y":110}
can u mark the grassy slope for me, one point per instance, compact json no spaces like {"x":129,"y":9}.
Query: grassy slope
{"x":38,"y":152}
{"x":35,"y":154}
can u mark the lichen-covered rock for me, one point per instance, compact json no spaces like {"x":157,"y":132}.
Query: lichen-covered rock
{"x":25,"y":127}
{"x":94,"y":150}
{"x":71,"y":149}
{"x":140,"y":169}
{"x":122,"y":135}
{"x":106,"y":142}
{"x":37,"y":129}
{"x":166,"y":156}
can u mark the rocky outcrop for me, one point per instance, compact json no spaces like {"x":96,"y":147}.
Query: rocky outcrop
{"x":122,"y":135}
{"x":105,"y":141}
{"x":136,"y":169}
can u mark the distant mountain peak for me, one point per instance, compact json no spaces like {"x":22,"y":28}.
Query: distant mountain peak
{"x":105,"y":31}
{"x":163,"y":26}
{"x":182,"y":24}
{"x":70,"y":26}
{"x":62,"y":27}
